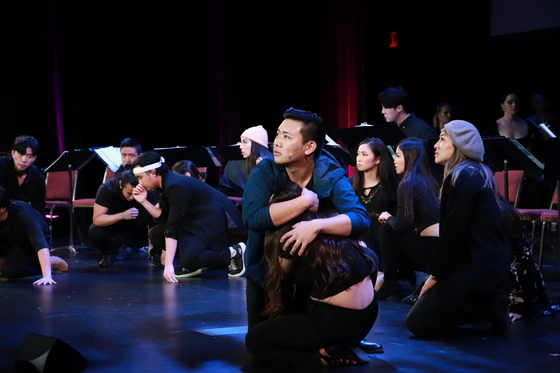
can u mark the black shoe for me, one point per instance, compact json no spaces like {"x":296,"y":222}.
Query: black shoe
{"x":237,"y":267}
{"x":410,"y":300}
{"x":186,"y":273}
{"x":156,"y":261}
{"x":106,"y":261}
{"x":127,"y":253}
{"x":344,"y":355}
{"x":370,"y":347}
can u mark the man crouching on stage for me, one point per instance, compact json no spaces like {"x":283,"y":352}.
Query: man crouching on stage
{"x":23,"y":242}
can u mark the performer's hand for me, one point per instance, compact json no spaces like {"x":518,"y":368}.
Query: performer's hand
{"x":45,"y":281}
{"x":430,"y":281}
{"x":383,"y":216}
{"x":300,"y":236}
{"x":515,"y":316}
{"x":130,"y":214}
{"x":169,"y":274}
{"x":312,"y":199}
{"x":140,"y":193}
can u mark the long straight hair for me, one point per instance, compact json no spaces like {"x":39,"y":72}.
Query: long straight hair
{"x":385,"y":170}
{"x":257,"y":151}
{"x":418,"y":176}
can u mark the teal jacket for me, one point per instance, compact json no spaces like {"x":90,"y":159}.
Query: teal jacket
{"x":329,"y":182}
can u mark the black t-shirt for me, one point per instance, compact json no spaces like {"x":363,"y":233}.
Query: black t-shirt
{"x":110,"y":195}
{"x":32,"y":190}
{"x":24,"y":227}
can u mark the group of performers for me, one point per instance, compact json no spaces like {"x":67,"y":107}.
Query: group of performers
{"x":318,"y":249}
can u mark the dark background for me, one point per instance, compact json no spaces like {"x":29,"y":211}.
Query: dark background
{"x":199,"y":72}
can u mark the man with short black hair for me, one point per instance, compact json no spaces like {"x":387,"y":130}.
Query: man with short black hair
{"x":130,"y":150}
{"x":395,"y":103}
{"x":20,"y":177}
{"x":297,"y":158}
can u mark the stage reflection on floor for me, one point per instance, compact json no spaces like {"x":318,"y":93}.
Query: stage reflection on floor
{"x":128,"y":319}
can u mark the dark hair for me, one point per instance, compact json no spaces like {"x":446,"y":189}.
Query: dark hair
{"x":418,"y":176}
{"x":324,"y":254}
{"x":150,"y":157}
{"x":127,"y":177}
{"x":22,"y":142}
{"x":182,"y":167}
{"x":131,"y":143}
{"x":393,"y":97}
{"x":257,"y":151}
{"x":4,"y":198}
{"x":506,"y":93}
{"x":311,"y":128}
{"x":385,"y":170}
{"x":440,"y":106}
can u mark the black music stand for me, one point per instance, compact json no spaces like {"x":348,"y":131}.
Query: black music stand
{"x":71,"y":160}
{"x":503,"y":154}
{"x":224,"y":154}
{"x":200,"y":155}
{"x":390,"y":134}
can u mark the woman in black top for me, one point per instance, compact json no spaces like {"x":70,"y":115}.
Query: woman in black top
{"x":375,"y":183}
{"x":471,"y":261}
{"x":333,"y":276}
{"x":409,"y":238}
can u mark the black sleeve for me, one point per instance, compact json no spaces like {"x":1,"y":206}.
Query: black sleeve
{"x":104,"y":196}
{"x":399,"y":222}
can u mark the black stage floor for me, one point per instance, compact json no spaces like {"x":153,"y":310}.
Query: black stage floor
{"x":129,"y":319}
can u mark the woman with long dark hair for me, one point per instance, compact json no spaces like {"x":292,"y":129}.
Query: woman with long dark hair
{"x":375,"y":183}
{"x":254,"y":148}
{"x":333,"y":277}
{"x":471,"y":261}
{"x":408,"y":239}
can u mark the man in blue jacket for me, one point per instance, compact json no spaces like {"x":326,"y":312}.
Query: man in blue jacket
{"x":297,"y":157}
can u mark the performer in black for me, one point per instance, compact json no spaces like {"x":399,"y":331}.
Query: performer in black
{"x":24,"y":237}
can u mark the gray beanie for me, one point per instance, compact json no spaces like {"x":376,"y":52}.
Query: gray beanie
{"x":466,"y":138}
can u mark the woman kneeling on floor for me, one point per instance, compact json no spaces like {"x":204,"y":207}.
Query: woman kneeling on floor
{"x":471,"y":261}
{"x":333,"y":277}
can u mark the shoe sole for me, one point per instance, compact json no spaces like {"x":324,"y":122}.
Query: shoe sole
{"x":192,"y":274}
{"x":243,"y":248}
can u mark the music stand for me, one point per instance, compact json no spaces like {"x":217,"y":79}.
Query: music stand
{"x":200,"y":155}
{"x":224,"y":154}
{"x":71,"y":160}
{"x":504,"y":154}
{"x":390,"y":134}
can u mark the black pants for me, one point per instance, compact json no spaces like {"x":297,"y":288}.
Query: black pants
{"x":405,"y":250}
{"x":296,"y":339}
{"x":125,"y":233}
{"x":462,"y":297}
{"x":192,"y":252}
{"x":20,"y":261}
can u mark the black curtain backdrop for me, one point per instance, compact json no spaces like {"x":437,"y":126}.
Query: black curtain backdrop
{"x":79,"y":74}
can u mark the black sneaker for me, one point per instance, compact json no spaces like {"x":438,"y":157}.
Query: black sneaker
{"x":106,"y":261}
{"x":186,"y":273}
{"x":236,"y":266}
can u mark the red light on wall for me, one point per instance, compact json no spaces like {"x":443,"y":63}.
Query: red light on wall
{"x":394,"y":40}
